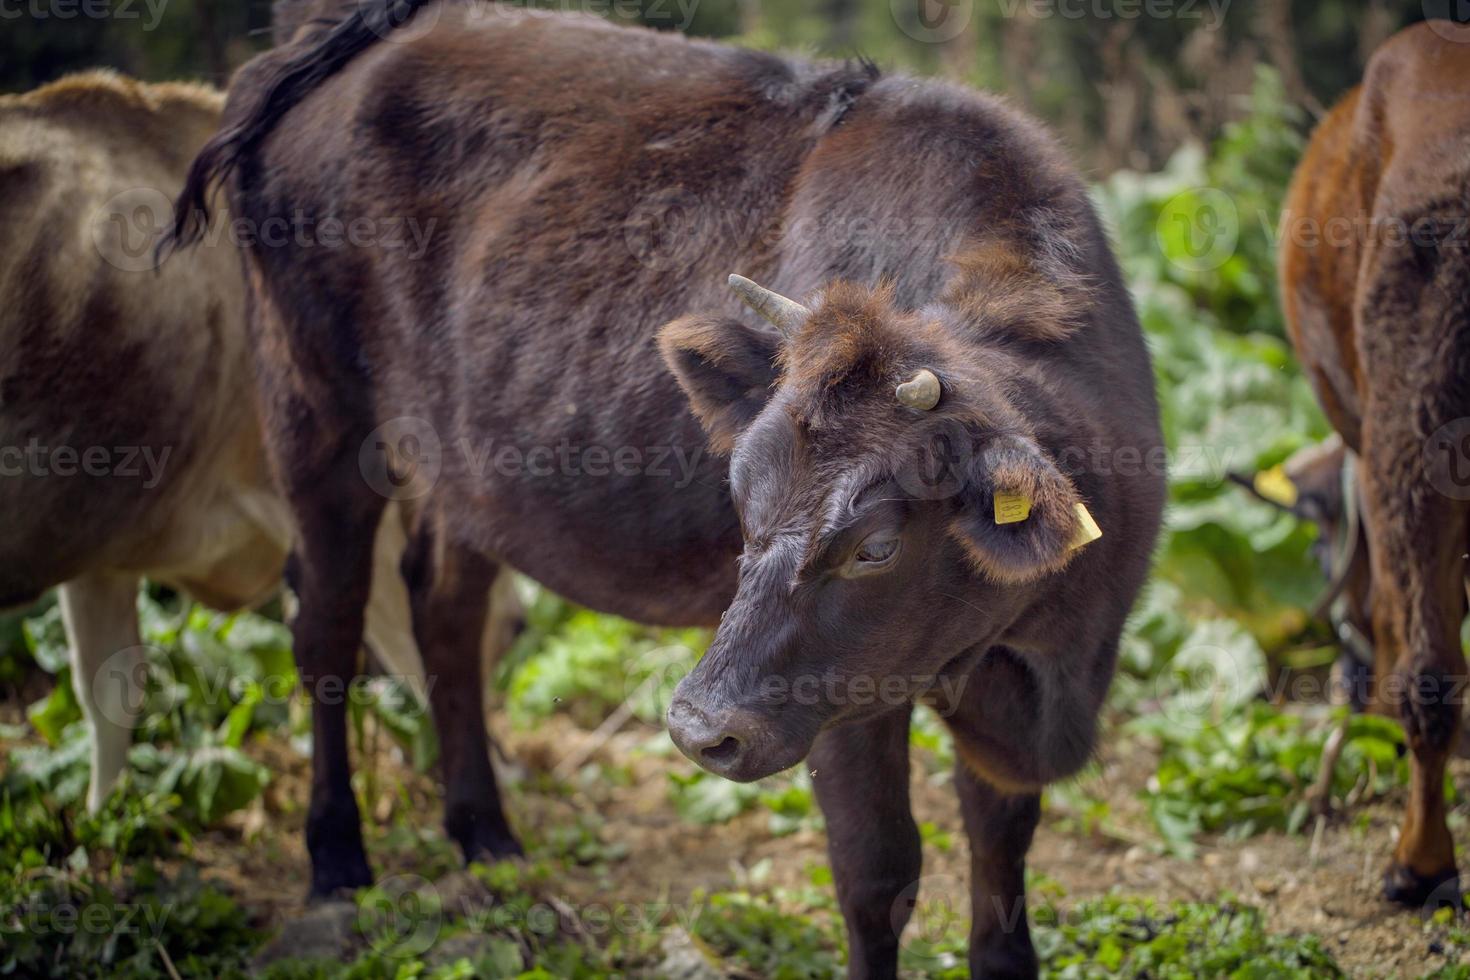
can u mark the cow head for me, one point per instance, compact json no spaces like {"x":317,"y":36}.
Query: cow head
{"x":1312,"y":486}
{"x":1309,"y":487}
{"x":892,"y":494}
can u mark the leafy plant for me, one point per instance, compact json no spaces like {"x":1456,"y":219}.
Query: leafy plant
{"x":576,"y":661}
{"x":1137,"y":937}
{"x":1251,"y":770}
{"x":771,"y":942}
{"x":66,"y":922}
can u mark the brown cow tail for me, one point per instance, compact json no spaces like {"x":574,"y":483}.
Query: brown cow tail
{"x":263,"y":93}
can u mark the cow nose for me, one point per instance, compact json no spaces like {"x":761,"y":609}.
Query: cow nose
{"x":717,"y":740}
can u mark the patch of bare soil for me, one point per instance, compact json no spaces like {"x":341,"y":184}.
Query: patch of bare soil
{"x":1325,"y":882}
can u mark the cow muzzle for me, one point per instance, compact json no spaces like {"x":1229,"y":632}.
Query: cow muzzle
{"x":729,"y":741}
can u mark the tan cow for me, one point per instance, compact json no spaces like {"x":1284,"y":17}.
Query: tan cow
{"x":129,"y":445}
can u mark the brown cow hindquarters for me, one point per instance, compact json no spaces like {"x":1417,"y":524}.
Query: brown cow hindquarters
{"x":1413,"y":336}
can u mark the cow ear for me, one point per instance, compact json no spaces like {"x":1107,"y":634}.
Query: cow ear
{"x":725,"y":367}
{"x":1020,"y":518}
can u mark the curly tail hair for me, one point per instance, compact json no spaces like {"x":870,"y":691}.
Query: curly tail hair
{"x":293,"y":76}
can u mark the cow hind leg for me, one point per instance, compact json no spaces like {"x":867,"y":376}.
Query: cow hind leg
{"x":1419,"y":603}
{"x":861,"y":775}
{"x":331,"y":571}
{"x":100,"y":612}
{"x":449,"y":585}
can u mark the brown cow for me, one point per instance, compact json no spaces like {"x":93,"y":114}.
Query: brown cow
{"x":128,"y":442}
{"x":916,"y":454}
{"x":1376,"y":285}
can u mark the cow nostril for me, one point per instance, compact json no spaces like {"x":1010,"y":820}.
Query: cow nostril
{"x":723,"y":750}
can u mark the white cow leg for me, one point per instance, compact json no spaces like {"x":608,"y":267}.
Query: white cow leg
{"x":101,"y":615}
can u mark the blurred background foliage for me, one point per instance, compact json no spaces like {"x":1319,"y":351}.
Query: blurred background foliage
{"x":1127,"y":82}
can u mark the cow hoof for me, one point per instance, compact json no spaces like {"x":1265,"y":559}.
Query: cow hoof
{"x":492,"y":848}
{"x":336,"y":880}
{"x":1404,"y":886}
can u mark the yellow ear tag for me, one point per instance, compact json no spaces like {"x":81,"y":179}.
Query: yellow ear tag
{"x":1011,"y":508}
{"x":1276,"y":486}
{"x":1087,"y":529}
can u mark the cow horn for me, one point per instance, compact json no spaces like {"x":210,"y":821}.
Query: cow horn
{"x":786,"y":315}
{"x":921,"y":391}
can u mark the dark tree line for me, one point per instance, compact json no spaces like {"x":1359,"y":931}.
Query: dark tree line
{"x":1124,"y":80}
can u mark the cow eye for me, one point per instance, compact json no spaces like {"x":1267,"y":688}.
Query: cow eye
{"x":874,"y":554}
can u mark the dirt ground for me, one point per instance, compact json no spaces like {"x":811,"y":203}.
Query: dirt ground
{"x":1325,"y":882}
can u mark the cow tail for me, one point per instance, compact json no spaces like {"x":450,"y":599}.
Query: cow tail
{"x":264,"y":92}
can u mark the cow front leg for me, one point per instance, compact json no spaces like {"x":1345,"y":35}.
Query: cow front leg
{"x":1000,"y":826}
{"x":448,"y":586}
{"x":861,"y":775}
{"x":100,"y":611}
{"x":331,"y":573}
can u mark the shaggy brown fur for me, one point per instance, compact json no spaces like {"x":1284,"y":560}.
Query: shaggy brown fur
{"x":1376,"y":281}
{"x":588,"y":184}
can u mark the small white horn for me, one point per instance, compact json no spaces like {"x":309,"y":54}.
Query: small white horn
{"x":786,"y":315}
{"x":921,"y":391}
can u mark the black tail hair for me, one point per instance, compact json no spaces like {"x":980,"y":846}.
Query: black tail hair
{"x":290,"y":80}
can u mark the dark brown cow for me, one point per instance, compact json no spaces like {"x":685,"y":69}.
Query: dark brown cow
{"x":967,"y":352}
{"x":1376,"y":282}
